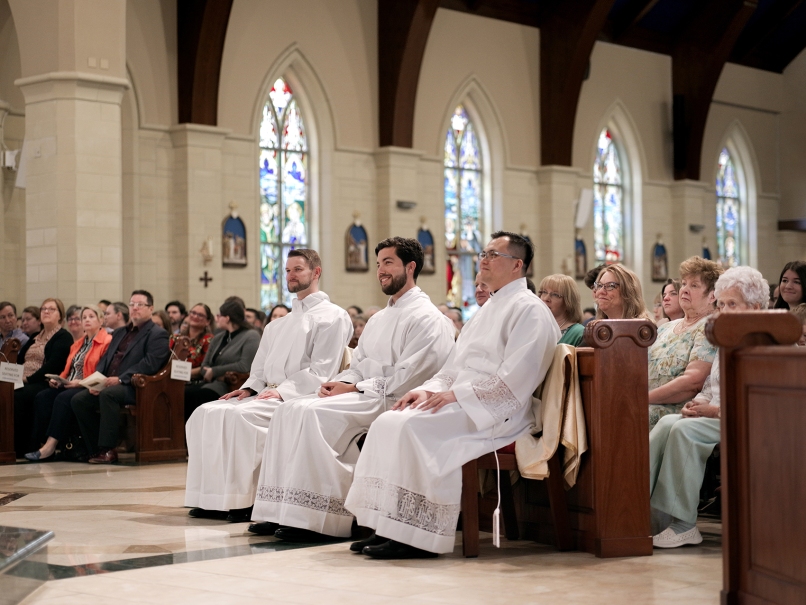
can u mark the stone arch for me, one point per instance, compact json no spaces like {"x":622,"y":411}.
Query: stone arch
{"x":619,"y":121}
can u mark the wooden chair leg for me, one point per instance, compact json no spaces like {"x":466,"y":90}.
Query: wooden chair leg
{"x":559,"y":505}
{"x":508,"y":508}
{"x":470,"y":509}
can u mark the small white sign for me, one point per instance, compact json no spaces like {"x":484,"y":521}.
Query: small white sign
{"x":11,"y":372}
{"x":180,"y":370}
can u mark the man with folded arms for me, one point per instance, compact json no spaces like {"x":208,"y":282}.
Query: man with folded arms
{"x":141,"y":347}
{"x":408,"y":480}
{"x":312,"y":447}
{"x":297,"y":354}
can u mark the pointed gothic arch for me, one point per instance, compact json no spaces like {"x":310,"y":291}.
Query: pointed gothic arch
{"x":618,"y":121}
{"x":293,"y":67}
{"x":738,"y":143}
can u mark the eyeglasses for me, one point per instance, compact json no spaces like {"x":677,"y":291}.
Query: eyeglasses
{"x":492,"y":255}
{"x":199,"y":315}
{"x":48,"y":310}
{"x":75,"y":318}
{"x":138,"y":305}
{"x":554,"y":295}
{"x":609,"y":286}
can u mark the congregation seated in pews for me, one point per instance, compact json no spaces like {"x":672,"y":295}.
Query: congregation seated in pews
{"x":268,"y":399}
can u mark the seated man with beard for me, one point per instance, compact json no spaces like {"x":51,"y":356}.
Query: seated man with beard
{"x":312,"y":448}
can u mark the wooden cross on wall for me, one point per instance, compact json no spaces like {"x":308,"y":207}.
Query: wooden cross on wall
{"x":206,"y":279}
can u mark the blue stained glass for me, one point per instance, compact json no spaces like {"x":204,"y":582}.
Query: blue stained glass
{"x":463,"y":202}
{"x":608,"y":196}
{"x":283,"y":178}
{"x":727,"y":211}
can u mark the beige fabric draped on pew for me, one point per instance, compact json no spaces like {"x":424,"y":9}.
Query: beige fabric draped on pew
{"x":557,"y":407}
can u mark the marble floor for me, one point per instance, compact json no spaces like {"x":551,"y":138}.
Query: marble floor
{"x":122,"y":535}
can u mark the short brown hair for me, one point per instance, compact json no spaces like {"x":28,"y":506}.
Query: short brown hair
{"x":570,"y":293}
{"x":630,"y":290}
{"x":312,"y":256}
{"x":707,"y":270}
{"x":32,"y":311}
{"x":59,"y":306}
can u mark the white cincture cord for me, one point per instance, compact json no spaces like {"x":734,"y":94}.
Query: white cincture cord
{"x":497,"y":511}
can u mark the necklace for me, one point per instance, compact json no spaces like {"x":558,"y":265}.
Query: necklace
{"x":563,"y":323}
{"x":686,"y":324}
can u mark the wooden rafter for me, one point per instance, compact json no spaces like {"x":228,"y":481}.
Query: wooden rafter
{"x":699,"y":54}
{"x":765,"y":27}
{"x":201,"y":30}
{"x":629,"y":16}
{"x":403,"y":28}
{"x":568,"y":31}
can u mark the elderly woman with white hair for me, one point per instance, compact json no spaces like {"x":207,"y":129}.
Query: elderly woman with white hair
{"x":680,"y":444}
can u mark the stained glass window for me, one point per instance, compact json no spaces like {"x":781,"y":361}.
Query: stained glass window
{"x":283,"y":190}
{"x":463,"y":196}
{"x":608,"y":200}
{"x":727,"y":211}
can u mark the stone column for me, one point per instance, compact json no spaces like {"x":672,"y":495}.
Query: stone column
{"x":558,"y":190}
{"x":74,"y":189}
{"x":198,"y":211}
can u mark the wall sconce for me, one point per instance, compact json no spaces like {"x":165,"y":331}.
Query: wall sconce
{"x":404,"y":205}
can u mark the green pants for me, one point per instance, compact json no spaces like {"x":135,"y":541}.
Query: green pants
{"x":678,"y":450}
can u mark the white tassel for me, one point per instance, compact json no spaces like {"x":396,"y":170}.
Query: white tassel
{"x":497,"y":528}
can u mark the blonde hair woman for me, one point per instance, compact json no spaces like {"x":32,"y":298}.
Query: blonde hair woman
{"x":561,"y":295}
{"x":617,"y":292}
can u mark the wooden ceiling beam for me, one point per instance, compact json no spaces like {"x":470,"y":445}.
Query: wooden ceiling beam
{"x":755,"y":34}
{"x":568,"y":31}
{"x":403,"y":28}
{"x":513,"y":11}
{"x":201,"y":31}
{"x":629,"y":16}
{"x":698,"y":56}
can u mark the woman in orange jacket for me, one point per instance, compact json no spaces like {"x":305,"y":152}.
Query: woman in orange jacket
{"x":53,"y":414}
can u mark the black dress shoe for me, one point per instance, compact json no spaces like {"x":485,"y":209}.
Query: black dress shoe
{"x":303,"y":536}
{"x":203,"y":513}
{"x":397,"y":550}
{"x":265,"y":528}
{"x":240,"y":515}
{"x":36,"y":456}
{"x":373,"y":540}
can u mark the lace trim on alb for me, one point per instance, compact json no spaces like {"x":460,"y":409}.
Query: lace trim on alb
{"x":446,"y":378}
{"x":404,"y":506}
{"x":495,"y":395}
{"x":379,"y":386}
{"x":303,"y":498}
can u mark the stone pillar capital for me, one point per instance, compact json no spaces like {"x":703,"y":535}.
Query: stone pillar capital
{"x":198,"y":135}
{"x":72,"y":85}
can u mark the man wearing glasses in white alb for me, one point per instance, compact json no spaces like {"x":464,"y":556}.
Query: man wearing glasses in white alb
{"x":140,"y":347}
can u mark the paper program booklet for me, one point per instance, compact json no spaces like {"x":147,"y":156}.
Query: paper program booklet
{"x":95,"y":381}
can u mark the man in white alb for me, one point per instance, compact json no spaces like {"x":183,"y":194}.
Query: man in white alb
{"x":312,"y":448}
{"x":297,"y":354}
{"x":408,"y":480}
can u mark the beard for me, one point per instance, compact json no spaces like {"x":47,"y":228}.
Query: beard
{"x":395,"y":285}
{"x":298,"y":287}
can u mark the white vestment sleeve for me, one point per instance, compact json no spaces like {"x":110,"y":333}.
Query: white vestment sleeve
{"x":426,"y":346}
{"x":324,"y":349}
{"x":257,"y":379}
{"x":527,"y":357}
{"x":444,"y":379}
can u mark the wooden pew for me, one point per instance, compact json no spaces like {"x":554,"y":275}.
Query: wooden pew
{"x":763,"y":398}
{"x":159,"y":413}
{"x":608,"y":508}
{"x":7,"y":454}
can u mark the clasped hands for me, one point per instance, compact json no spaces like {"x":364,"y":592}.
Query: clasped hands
{"x":329,"y":389}
{"x":697,"y":409}
{"x":243,"y":393}
{"x":425,"y":400}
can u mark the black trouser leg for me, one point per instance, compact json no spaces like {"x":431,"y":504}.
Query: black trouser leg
{"x":196,"y":395}
{"x":24,"y":416}
{"x":112,"y":399}
{"x":62,"y":419}
{"x":43,"y":408}
{"x":86,"y":407}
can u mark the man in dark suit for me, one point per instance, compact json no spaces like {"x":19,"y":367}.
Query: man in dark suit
{"x":140,"y":347}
